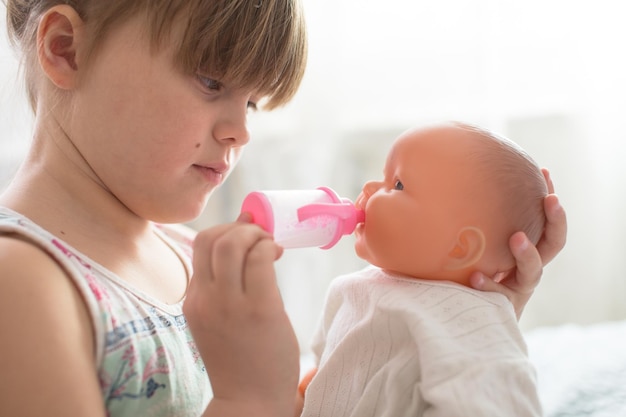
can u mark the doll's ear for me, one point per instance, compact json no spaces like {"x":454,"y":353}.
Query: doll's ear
{"x":59,"y":33}
{"x":468,"y":249}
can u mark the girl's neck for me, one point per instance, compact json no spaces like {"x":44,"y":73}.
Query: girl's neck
{"x":56,"y":188}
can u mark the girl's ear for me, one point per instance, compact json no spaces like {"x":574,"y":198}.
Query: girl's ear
{"x":468,"y":249}
{"x":59,"y":34}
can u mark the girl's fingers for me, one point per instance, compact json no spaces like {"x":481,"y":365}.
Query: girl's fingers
{"x":480,"y":281}
{"x":546,"y":175}
{"x":220,"y":253}
{"x":555,"y":234}
{"x":519,"y":284}
{"x":259,"y":278}
{"x":529,"y":267}
{"x":229,"y":255}
{"x":203,"y":250}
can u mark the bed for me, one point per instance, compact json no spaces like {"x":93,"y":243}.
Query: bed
{"x":581,"y":369}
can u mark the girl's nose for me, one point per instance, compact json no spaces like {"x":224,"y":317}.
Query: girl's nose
{"x":232,"y":126}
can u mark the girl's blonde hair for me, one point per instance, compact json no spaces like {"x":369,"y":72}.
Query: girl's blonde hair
{"x":256,"y":44}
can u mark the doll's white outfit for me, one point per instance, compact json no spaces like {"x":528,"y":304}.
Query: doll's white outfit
{"x":147,"y":361}
{"x":392,"y":346}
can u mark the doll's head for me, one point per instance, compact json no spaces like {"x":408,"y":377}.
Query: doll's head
{"x":451,"y":197}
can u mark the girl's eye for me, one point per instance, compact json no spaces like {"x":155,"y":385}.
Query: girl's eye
{"x":398,"y":185}
{"x":209,"y":83}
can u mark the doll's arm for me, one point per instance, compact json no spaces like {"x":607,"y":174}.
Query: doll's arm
{"x":520,"y":284}
{"x":302,"y":386}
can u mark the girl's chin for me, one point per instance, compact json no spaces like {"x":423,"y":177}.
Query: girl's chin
{"x":188,"y":213}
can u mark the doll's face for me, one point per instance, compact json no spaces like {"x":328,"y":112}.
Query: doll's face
{"x":413,"y":214}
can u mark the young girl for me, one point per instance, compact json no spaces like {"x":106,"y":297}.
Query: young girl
{"x":140,"y":113}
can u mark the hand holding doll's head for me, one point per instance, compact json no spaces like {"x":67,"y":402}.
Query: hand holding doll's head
{"x":451,"y":197}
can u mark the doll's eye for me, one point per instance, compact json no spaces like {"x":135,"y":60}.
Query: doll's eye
{"x":398,"y":185}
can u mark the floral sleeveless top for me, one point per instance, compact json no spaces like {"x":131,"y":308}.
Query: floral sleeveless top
{"x":147,"y":361}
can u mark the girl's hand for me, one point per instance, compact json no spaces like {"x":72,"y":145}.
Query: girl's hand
{"x":520,"y":284}
{"x":238,"y":320}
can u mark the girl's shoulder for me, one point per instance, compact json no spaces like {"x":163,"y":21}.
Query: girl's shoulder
{"x":26,"y":262}
{"x":43,"y":312}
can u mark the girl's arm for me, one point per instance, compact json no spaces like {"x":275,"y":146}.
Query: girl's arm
{"x":46,"y":342}
{"x":237,"y":317}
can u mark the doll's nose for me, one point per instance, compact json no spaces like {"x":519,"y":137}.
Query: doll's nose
{"x":371,"y":187}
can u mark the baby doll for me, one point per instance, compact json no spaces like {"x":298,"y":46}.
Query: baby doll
{"x":407,"y":335}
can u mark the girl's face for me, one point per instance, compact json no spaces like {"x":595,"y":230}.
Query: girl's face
{"x":157,"y":139}
{"x":412,"y":216}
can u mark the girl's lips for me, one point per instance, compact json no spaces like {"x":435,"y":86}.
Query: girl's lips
{"x":212,"y":174}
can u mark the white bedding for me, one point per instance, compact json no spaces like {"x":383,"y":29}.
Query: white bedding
{"x":581,"y":369}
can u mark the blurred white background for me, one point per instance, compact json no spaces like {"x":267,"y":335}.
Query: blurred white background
{"x":549,"y":74}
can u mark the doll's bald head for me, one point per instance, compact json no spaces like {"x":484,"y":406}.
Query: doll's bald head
{"x":451,"y":197}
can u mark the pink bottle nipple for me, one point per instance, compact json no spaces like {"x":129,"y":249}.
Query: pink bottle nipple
{"x":347,"y":214}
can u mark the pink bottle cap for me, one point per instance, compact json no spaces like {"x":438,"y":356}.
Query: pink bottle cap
{"x":260,"y":209}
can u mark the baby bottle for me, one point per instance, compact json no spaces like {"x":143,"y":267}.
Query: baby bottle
{"x":303,"y":218}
